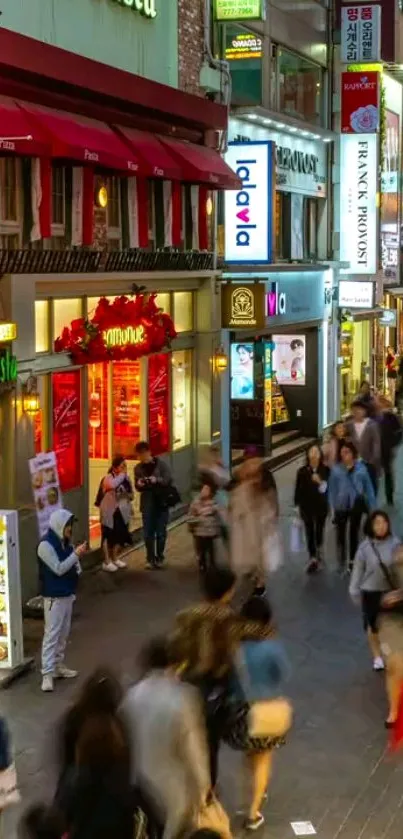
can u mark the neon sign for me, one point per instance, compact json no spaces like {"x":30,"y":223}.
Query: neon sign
{"x":144,"y":7}
{"x":119,"y":337}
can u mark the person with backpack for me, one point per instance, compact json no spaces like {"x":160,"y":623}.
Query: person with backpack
{"x":114,"y":531}
{"x":153,"y":480}
{"x":59,"y":570}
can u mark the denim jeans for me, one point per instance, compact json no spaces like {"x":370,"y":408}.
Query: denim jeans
{"x":155,"y":521}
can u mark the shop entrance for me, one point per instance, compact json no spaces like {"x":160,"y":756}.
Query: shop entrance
{"x":356,"y":355}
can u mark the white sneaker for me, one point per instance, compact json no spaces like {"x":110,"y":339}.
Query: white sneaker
{"x":47,"y":683}
{"x":110,"y":567}
{"x":378,"y":663}
{"x":63,"y":672}
{"x":120,"y":564}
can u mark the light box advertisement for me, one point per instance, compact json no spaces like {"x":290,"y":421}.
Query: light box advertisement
{"x":226,"y":10}
{"x":356,"y":295}
{"x":242,"y":371}
{"x":289,"y":359}
{"x":358,"y":202}
{"x":248,"y":211}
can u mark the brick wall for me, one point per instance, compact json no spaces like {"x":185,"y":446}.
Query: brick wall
{"x":190,"y":40}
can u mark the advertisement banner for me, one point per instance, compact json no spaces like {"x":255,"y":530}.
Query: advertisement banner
{"x":268,"y":385}
{"x":390,"y":199}
{"x":358,"y":202}
{"x":238,"y":9}
{"x":289,"y":359}
{"x":248,"y":211}
{"x":360,"y":34}
{"x":360,"y":103}
{"x":242,"y":371}
{"x":356,"y":294}
{"x":46,"y":488}
{"x":66,"y":427}
{"x":158,"y":402}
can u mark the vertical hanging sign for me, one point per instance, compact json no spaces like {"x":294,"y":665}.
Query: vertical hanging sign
{"x":360,"y":34}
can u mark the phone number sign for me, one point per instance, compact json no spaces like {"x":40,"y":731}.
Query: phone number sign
{"x":238,"y":9}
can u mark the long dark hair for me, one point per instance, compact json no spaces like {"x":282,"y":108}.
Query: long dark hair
{"x":369,"y":524}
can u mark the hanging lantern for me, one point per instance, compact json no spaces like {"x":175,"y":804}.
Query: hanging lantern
{"x":220,"y":360}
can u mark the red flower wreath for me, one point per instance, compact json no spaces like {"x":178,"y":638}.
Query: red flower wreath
{"x":87,"y":342}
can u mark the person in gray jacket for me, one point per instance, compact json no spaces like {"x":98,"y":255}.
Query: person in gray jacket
{"x":364,"y":433}
{"x":152,"y":477}
{"x":371,"y":576}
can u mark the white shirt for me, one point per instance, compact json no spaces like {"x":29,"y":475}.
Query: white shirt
{"x":359,"y":427}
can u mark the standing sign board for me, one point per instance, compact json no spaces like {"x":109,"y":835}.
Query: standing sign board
{"x":360,"y":34}
{"x":46,"y":488}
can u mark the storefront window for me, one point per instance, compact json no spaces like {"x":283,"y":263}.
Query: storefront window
{"x":66,"y":427}
{"x":158,"y":403}
{"x":64,"y":311}
{"x":181,"y":398}
{"x":356,"y":353}
{"x":299,"y":84}
{"x":126,"y":407}
{"x":243,"y":51}
{"x":41,"y":326}
{"x":183,"y":311}
{"x":98,"y":386}
{"x":296,"y":226}
{"x":163,"y":301}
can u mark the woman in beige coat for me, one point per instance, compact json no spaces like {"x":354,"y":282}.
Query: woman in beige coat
{"x":255,"y":546}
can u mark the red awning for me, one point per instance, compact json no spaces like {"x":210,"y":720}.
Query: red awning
{"x":18,"y":133}
{"x":156,"y":159}
{"x":83,"y":140}
{"x":201,"y":164}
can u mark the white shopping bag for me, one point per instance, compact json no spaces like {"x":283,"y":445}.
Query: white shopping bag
{"x":296,"y":536}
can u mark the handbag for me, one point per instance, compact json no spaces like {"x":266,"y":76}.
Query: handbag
{"x":171,"y":496}
{"x":212,"y":816}
{"x":397,"y":608}
{"x":296,"y":536}
{"x":266,"y":717}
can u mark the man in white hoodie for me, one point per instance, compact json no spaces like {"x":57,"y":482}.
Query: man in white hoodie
{"x":59,"y":569}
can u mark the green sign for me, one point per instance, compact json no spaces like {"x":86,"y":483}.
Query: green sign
{"x":8,"y":368}
{"x":144,"y":7}
{"x":239,"y":9}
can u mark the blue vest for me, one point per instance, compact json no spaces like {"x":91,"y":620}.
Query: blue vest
{"x":51,"y":584}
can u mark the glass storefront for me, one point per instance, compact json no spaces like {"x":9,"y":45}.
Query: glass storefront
{"x":355,"y":350}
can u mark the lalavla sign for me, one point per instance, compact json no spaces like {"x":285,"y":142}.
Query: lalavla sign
{"x":300,"y":163}
{"x":248,"y":211}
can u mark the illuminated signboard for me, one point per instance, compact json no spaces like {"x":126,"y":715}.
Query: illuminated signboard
{"x":118,"y":337}
{"x":144,"y":7}
{"x":8,"y":332}
{"x":358,"y":202}
{"x":238,"y":9}
{"x":244,"y":46}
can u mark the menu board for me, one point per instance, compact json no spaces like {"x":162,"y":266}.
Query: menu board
{"x":66,"y":425}
{"x":46,"y":488}
{"x":98,"y":411}
{"x":126,"y":407}
{"x":4,"y":596}
{"x":158,"y":403}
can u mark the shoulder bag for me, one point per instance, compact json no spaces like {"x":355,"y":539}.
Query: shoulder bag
{"x":397,"y":608}
{"x":266,"y":717}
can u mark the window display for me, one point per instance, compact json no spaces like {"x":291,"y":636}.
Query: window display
{"x":98,"y":381}
{"x":126,"y":406}
{"x":41,"y":326}
{"x":183,"y":311}
{"x":289,"y":359}
{"x":66,"y":425}
{"x":181,"y":398}
{"x":65,"y":311}
{"x":158,"y":403}
{"x":242,"y":371}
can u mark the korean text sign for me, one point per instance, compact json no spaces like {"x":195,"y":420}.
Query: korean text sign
{"x":360,"y":34}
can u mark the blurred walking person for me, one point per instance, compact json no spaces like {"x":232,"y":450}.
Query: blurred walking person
{"x":152,"y":478}
{"x":364,"y":433}
{"x":351,"y":497}
{"x":391,"y":437}
{"x":261,"y":672}
{"x":206,"y":521}
{"x":391,"y":365}
{"x":169,"y":748}
{"x":331,"y":447}
{"x":205,"y":638}
{"x":368,"y":580}
{"x":311,"y":498}
{"x":59,"y":570}
{"x":391,"y":636}
{"x":253,"y":520}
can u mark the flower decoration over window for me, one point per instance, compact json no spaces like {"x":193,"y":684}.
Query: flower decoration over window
{"x":127,"y":328}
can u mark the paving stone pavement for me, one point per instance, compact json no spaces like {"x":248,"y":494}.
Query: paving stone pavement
{"x":334,"y":770}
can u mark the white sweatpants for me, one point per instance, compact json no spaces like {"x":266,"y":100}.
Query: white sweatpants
{"x":58,"y":611}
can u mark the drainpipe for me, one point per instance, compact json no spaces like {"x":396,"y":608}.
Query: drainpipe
{"x":217,"y":64}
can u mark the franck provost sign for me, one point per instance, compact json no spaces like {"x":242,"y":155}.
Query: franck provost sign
{"x":248,"y":211}
{"x":358,"y":202}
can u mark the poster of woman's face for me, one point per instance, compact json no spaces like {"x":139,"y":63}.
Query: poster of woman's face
{"x":289,"y":359}
{"x":242,"y":372}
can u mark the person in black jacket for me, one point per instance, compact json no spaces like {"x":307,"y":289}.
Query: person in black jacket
{"x":391,"y":435}
{"x":311,"y":498}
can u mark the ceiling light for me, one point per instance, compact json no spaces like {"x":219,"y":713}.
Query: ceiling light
{"x":267,"y":121}
{"x":316,"y":136}
{"x":279,"y":125}
{"x":327,"y":139}
{"x":294,"y":130}
{"x":306,"y":133}
{"x":252,"y":116}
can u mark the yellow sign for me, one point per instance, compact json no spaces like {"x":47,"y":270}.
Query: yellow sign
{"x":119,"y":337}
{"x":242,"y":305}
{"x":268,"y":386}
{"x":8,"y":332}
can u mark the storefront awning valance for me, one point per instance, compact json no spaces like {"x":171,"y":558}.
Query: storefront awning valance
{"x":200,"y":164}
{"x":18,"y":133}
{"x":73,"y":137}
{"x":156,"y":160}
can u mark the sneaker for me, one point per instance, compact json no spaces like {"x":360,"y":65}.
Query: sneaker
{"x":47,"y":683}
{"x":312,"y":566}
{"x":110,"y":567}
{"x":63,"y":672}
{"x":120,"y":564}
{"x":378,"y":663}
{"x":254,"y":824}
